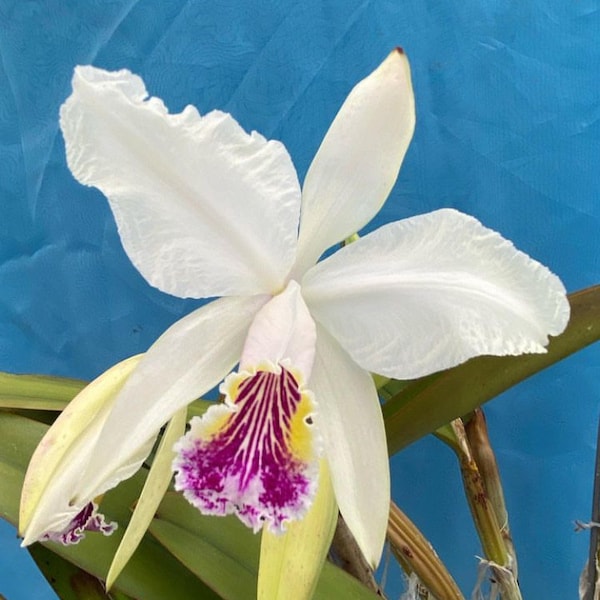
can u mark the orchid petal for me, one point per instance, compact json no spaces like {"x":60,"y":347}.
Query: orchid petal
{"x":189,"y":359}
{"x":359,"y":159}
{"x":427,"y":293}
{"x":203,"y":208}
{"x":290,"y":563}
{"x":283,"y":330}
{"x":350,"y":421}
{"x":154,"y":489}
{"x":55,"y":468}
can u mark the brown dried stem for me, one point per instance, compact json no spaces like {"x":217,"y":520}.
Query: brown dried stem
{"x":416,"y":555}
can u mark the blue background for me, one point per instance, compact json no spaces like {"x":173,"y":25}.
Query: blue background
{"x":508,"y":129}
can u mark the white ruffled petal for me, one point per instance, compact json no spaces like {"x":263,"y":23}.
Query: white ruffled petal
{"x":427,"y":293}
{"x":203,"y":208}
{"x":188,"y":360}
{"x":350,"y":421}
{"x":358,"y":161}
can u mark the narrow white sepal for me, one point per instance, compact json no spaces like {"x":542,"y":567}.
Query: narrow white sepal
{"x":350,"y":421}
{"x":358,"y":161}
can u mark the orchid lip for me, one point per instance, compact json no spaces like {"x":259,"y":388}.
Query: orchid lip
{"x":87,"y":519}
{"x":255,"y":455}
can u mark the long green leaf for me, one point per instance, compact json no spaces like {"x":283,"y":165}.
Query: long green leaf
{"x":222,"y":573}
{"x":37,"y":392}
{"x":152,"y":574}
{"x":68,"y":581}
{"x":429,"y":403}
{"x":211,"y":547}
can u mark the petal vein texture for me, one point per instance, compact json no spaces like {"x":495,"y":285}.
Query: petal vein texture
{"x":427,"y":293}
{"x":203,"y":208}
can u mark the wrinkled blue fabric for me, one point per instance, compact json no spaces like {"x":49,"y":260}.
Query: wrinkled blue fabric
{"x":508,"y":130}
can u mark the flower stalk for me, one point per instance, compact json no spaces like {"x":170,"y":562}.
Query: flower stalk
{"x":416,"y":555}
{"x":483,"y":454}
{"x":589,"y":581}
{"x":346,"y":553}
{"x":489,"y":516}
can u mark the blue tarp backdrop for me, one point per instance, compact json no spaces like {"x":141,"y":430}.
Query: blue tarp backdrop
{"x":508,"y":130}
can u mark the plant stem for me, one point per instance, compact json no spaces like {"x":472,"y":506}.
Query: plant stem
{"x":347,"y":555}
{"x":487,"y":513}
{"x":416,"y":555}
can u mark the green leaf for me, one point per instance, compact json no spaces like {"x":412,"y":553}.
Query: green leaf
{"x":220,"y":551}
{"x":37,"y":392}
{"x":18,"y":438}
{"x":428,"y":403}
{"x":151,"y":574}
{"x":224,"y":553}
{"x":290,"y":564}
{"x":336,"y":584}
{"x":68,"y":581}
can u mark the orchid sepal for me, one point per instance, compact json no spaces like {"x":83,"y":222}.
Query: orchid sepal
{"x":358,"y":160}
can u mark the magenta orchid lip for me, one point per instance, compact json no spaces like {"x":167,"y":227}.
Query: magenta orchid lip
{"x":87,"y":519}
{"x":254,"y":455}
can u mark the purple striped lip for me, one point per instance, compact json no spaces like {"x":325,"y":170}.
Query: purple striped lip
{"x":253,"y":455}
{"x":87,"y":519}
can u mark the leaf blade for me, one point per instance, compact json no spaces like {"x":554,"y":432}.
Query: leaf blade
{"x":290,"y":564}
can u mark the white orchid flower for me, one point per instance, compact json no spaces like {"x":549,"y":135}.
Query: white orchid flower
{"x":203,"y":210}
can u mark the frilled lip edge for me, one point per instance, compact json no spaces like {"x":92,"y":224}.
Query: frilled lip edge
{"x":253,"y":455}
{"x":87,"y":519}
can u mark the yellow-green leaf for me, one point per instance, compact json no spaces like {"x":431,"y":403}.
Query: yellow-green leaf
{"x":291,"y":563}
{"x":154,"y":489}
{"x":37,"y":392}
